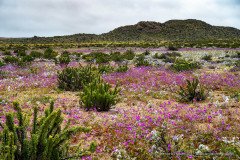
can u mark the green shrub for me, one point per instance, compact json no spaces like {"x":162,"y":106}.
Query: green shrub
{"x":237,"y":55}
{"x":168,"y":57}
{"x":237,"y":63}
{"x":172,"y":48}
{"x":64,"y":58}
{"x":227,"y":55}
{"x":173,"y":54}
{"x":20,"y":49}
{"x":193,"y":91}
{"x":140,"y":61}
{"x":116,"y":57}
{"x":7,"y":53}
{"x":146,"y":53}
{"x":184,"y":65}
{"x":122,"y":68}
{"x":73,"y":79}
{"x":169,"y":54}
{"x":157,"y":56}
{"x":11,"y":59}
{"x":21,"y":53}
{"x":21,"y":61}
{"x":27,"y":58}
{"x":36,"y":54}
{"x":105,"y":69}
{"x":98,"y":57}
{"x":207,"y":57}
{"x":50,"y":54}
{"x":77,"y":55}
{"x":1,"y":63}
{"x":88,"y":57}
{"x":99,"y":95}
{"x":3,"y":74}
{"x":45,"y":138}
{"x":128,"y":55}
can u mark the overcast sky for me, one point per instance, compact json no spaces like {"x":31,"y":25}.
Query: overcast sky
{"x":26,"y":18}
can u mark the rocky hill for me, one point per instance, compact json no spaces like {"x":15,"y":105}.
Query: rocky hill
{"x":173,"y":30}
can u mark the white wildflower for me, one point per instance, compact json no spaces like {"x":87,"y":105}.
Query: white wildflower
{"x":217,"y":104}
{"x":203,"y":147}
{"x":198,"y":152}
{"x":177,"y":137}
{"x":226,"y":99}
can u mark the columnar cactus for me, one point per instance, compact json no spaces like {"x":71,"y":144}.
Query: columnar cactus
{"x":47,"y":140}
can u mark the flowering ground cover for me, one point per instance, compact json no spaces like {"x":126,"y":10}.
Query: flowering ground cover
{"x":149,"y":121}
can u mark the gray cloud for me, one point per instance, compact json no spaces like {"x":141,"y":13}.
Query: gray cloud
{"x":26,"y":18}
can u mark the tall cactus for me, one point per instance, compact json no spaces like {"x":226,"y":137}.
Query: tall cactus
{"x":47,"y":139}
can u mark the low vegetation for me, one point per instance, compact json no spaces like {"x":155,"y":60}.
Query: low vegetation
{"x":134,"y":103}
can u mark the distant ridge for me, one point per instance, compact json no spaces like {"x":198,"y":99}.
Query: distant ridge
{"x":172,"y":30}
